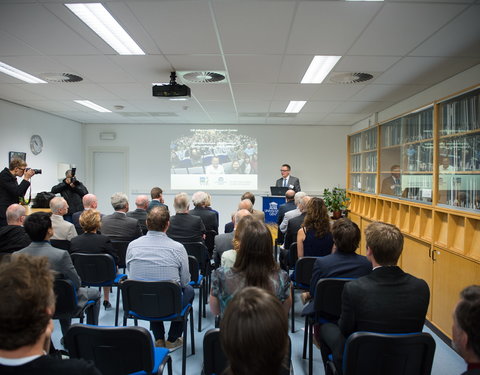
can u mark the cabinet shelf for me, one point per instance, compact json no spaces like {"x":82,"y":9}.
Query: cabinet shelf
{"x":459,"y":134}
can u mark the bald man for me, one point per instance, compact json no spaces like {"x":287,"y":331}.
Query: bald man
{"x":12,"y":236}
{"x":89,"y":201}
{"x":140,"y":213}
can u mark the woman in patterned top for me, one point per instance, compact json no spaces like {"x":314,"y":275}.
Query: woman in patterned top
{"x":254,"y":266}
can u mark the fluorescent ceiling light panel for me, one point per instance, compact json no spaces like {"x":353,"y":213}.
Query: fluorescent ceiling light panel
{"x":319,"y":68}
{"x":89,"y":104}
{"x":295,"y":106}
{"x":363,"y":0}
{"x":16,"y":73}
{"x":101,"y":21}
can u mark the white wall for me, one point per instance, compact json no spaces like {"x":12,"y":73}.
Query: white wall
{"x":62,"y":142}
{"x":317,"y":155}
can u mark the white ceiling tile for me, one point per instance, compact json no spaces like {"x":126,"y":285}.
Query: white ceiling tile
{"x":16,"y":92}
{"x":329,"y":91}
{"x":220,"y":91}
{"x":145,"y":69}
{"x":129,"y":91}
{"x":321,"y":106}
{"x":360,"y":107}
{"x":14,"y":47}
{"x":253,"y":68}
{"x":89,"y":91}
{"x":196,"y":62}
{"x":286,"y":91}
{"x":252,"y":91}
{"x":387,"y":93}
{"x":365,"y":63}
{"x":53,"y":91}
{"x":294,"y":68}
{"x":253,"y":106}
{"x":218,"y":106}
{"x":37,"y":64}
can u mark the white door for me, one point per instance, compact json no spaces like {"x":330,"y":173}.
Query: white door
{"x":110,"y":175}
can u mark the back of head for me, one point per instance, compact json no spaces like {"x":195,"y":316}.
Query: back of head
{"x":316,"y":217}
{"x":248,"y":195}
{"x":298,"y":197}
{"x":141,"y":202}
{"x":290,"y":195}
{"x":199,"y":199}
{"x":254,"y":333}
{"x":158,"y":218}
{"x":467,"y":316}
{"x":26,"y":283}
{"x":346,"y":235}
{"x":119,"y":201}
{"x":37,"y":224}
{"x":156,"y":192}
{"x":90,"y":220}
{"x":180,"y":203}
{"x":385,"y":241}
{"x":246,"y":204}
{"x":89,"y":201}
{"x":57,"y":204}
{"x":16,"y":163}
{"x":15,"y":214}
{"x":241,"y":222}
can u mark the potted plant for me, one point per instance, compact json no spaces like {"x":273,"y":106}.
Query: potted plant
{"x":336,"y":201}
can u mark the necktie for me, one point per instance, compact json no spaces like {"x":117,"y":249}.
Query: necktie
{"x":284,"y":182}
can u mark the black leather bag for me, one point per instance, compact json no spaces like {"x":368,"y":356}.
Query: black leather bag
{"x":42,"y":200}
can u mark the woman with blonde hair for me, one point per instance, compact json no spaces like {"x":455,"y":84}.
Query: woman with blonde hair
{"x":229,"y":256}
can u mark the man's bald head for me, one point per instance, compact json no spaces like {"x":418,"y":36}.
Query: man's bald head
{"x":239,"y":215}
{"x":290,"y":195}
{"x":142,"y":202}
{"x":90,"y":201}
{"x":15,"y":214}
{"x":246,"y":204}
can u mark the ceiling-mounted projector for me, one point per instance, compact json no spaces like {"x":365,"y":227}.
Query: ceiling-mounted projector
{"x":171,"y":90}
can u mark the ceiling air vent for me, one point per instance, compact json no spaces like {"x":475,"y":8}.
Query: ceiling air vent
{"x":61,"y":77}
{"x":202,"y":77}
{"x":349,"y":78}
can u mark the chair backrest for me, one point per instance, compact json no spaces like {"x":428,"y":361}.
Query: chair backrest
{"x":152,"y":299}
{"x":61,"y":244}
{"x":328,"y":298}
{"x":210,"y":240}
{"x":292,"y":255}
{"x":199,"y":251}
{"x":303,"y":271}
{"x":214,"y":359}
{"x":114,"y":350}
{"x":393,"y":354}
{"x":194,"y":268}
{"x":121,"y":248}
{"x":94,"y":269}
{"x":66,"y":299}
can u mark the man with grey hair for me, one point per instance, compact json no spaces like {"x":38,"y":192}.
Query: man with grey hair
{"x":13,"y":236}
{"x":89,"y":202}
{"x":62,"y":229}
{"x":118,"y":226}
{"x":183,"y":226}
{"x":293,"y":213}
{"x":72,"y":191}
{"x":209,"y":218}
{"x":140,"y":213}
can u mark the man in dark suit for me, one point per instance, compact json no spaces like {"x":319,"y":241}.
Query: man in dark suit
{"x":183,"y":226}
{"x":343,"y":261}
{"x":209,"y":217}
{"x":289,"y":205}
{"x":287,"y":180}
{"x":141,"y":212}
{"x":466,"y":328}
{"x":392,"y":184}
{"x":89,"y":202}
{"x":13,"y":236}
{"x":295,"y":223}
{"x":157,"y":198}
{"x":388,"y":300}
{"x":118,"y":226}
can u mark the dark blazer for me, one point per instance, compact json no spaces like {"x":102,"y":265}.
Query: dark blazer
{"x":13,"y":238}
{"x":93,"y":243}
{"x":10,"y":190}
{"x":337,"y":265}
{"x":288,"y":206}
{"x":73,"y":196}
{"x":293,"y":183}
{"x":119,"y":227}
{"x":186,"y":228}
{"x":209,"y":217}
{"x":229,"y":227}
{"x":388,"y":300}
{"x":223,"y":242}
{"x":293,"y":226}
{"x":155,"y":203}
{"x":388,"y":186}
{"x":141,"y":216}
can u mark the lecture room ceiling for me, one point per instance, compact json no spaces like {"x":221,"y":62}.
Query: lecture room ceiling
{"x":262,"y":47}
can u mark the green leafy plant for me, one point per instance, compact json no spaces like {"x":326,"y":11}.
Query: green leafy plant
{"x":336,"y":199}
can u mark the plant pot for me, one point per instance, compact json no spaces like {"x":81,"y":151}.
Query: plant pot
{"x":337,"y":214}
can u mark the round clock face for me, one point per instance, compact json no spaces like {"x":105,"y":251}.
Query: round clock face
{"x":36,"y":144}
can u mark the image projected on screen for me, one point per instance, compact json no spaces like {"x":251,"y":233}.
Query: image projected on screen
{"x":214,"y":159}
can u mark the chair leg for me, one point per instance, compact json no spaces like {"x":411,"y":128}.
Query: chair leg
{"x":310,"y":351}
{"x":293,"y":311}
{"x":117,"y":307}
{"x":200,"y":303}
{"x":192,"y":331}
{"x":169,"y":365}
{"x":306,"y":337}
{"x":184,"y":349}
{"x":205,"y":299}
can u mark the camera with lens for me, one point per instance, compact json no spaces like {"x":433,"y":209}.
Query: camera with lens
{"x":37,"y":171}
{"x":73,"y":179}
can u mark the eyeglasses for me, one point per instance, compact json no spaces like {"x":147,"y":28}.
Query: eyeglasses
{"x":284,"y":170}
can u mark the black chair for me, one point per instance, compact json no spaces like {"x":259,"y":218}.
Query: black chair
{"x":210,"y":241}
{"x":200,"y":251}
{"x":303,"y":275}
{"x":121,"y":248}
{"x":117,"y":350}
{"x":215,"y":361}
{"x":157,"y":301}
{"x":66,"y":306}
{"x":327,"y":304}
{"x":198,"y":282}
{"x":99,"y":270}
{"x":61,"y":244}
{"x":392,"y":354}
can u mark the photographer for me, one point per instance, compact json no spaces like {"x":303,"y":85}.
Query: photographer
{"x":72,"y":191}
{"x":10,"y":190}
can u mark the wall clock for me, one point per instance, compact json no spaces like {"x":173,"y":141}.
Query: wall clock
{"x":36,"y":144}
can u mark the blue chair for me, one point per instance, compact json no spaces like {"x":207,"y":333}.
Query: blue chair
{"x":157,"y":301}
{"x":117,"y":350}
{"x":66,"y":306}
{"x":197,"y":281}
{"x":98,"y":270}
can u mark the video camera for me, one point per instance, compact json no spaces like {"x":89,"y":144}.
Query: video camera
{"x":37,"y":171}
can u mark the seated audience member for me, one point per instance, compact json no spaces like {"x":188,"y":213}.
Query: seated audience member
{"x":208,"y":206}
{"x":295,"y":223}
{"x":183,"y":226}
{"x":140,"y":213}
{"x":215,"y":167}
{"x":254,"y":333}
{"x":155,"y":257}
{"x":343,"y":262}
{"x":39,"y":227}
{"x":157,"y":198}
{"x":314,"y":238}
{"x":259,"y":215}
{"x":292,"y":213}
{"x":27,"y":303}
{"x":62,"y":229}
{"x":90,"y":202}
{"x":209,"y":218}
{"x":118,"y":226}
{"x":13,"y":236}
{"x":466,"y":328}
{"x":92,"y":242}
{"x":243,"y":218}
{"x":254,"y":266}
{"x":229,"y":226}
{"x":289,"y":205}
{"x":387,"y":300}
